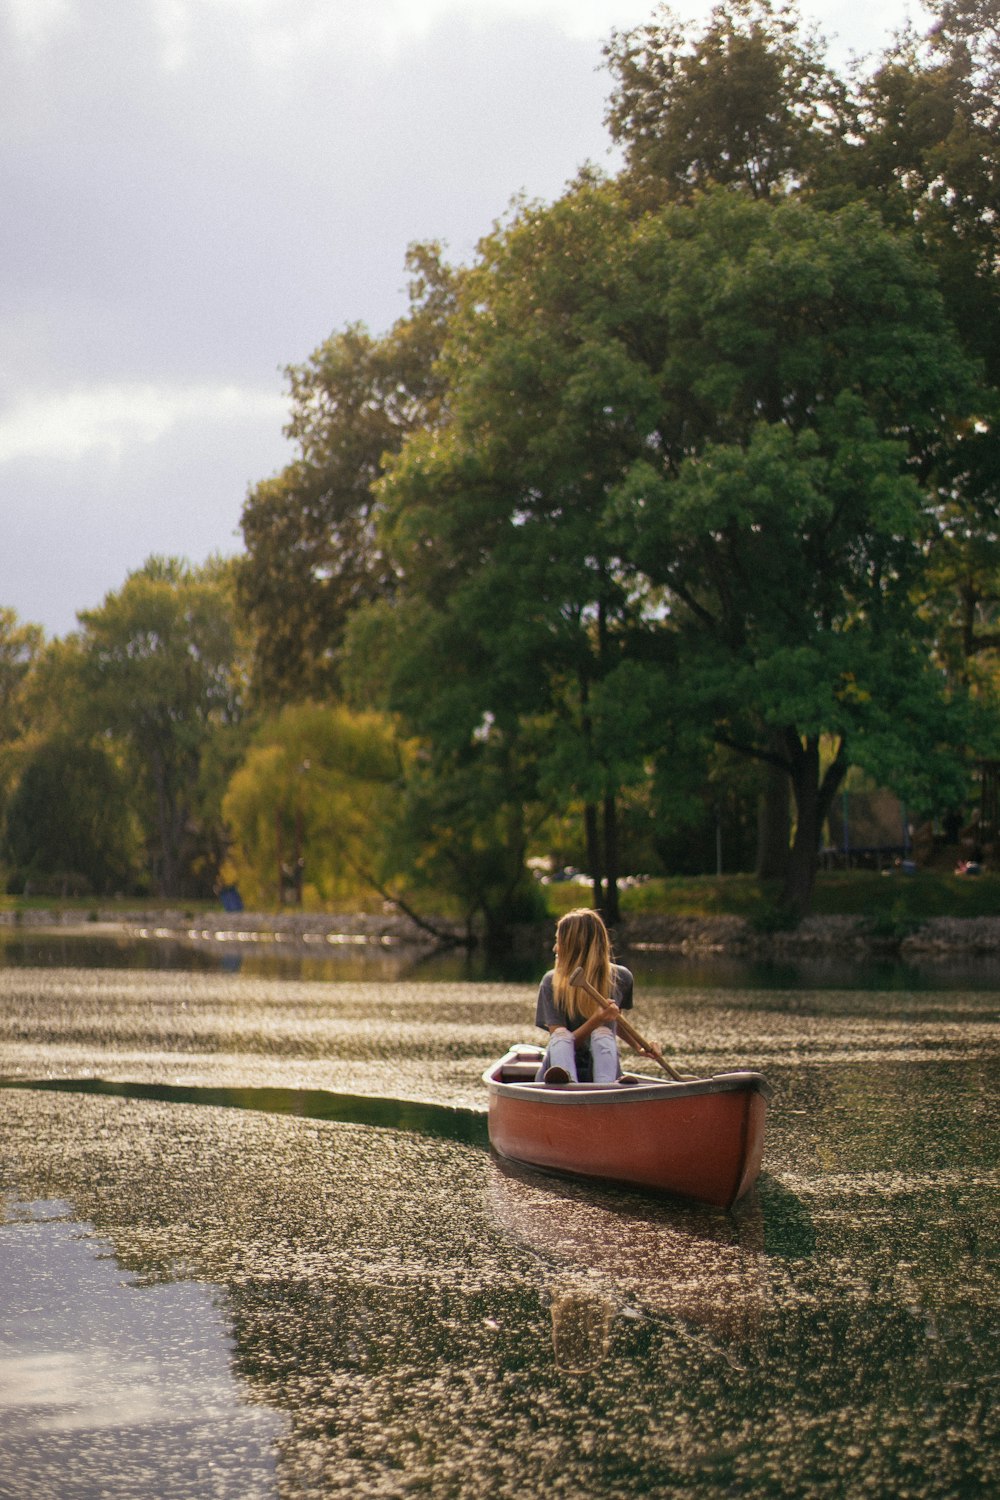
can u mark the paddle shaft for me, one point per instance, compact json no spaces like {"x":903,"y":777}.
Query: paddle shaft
{"x":579,"y":981}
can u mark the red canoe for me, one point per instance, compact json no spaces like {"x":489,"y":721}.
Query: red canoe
{"x":701,"y":1139}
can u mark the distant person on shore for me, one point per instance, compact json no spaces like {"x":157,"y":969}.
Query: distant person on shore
{"x":583,"y":1046}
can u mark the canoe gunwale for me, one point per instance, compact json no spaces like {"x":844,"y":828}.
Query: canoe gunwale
{"x":644,"y":1090}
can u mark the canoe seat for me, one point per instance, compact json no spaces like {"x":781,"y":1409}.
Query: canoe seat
{"x":519,"y":1072}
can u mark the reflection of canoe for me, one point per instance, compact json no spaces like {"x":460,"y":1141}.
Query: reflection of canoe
{"x":674,"y":1260}
{"x":701,"y":1139}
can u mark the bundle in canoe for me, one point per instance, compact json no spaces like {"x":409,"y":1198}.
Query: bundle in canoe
{"x":700,"y":1138}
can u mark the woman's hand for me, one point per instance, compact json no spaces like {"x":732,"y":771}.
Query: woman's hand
{"x":610,"y":1014}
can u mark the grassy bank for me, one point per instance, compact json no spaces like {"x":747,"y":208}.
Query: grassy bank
{"x":912,"y":898}
{"x":909,"y":898}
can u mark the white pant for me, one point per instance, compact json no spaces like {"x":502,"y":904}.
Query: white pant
{"x":561,"y":1053}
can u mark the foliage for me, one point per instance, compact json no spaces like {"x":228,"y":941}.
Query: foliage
{"x":468,"y":821}
{"x":688,"y":470}
{"x":312,"y":805}
{"x":159,"y":662}
{"x":688,"y":483}
{"x":497,"y":525}
{"x":748,"y":103}
{"x":69,"y":819}
{"x":21,"y":645}
{"x":928,"y":154}
{"x":888,"y":897}
{"x":312,"y":557}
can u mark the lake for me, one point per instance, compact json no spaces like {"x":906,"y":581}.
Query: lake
{"x":254,"y":1243}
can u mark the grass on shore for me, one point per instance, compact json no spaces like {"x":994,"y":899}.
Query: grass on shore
{"x":912,"y":898}
{"x":890,"y":896}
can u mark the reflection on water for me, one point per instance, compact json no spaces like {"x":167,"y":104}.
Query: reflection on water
{"x":111,"y":1389}
{"x":581,"y":1330}
{"x":680,"y":1261}
{"x":311,"y":958}
{"x":412,"y":1316}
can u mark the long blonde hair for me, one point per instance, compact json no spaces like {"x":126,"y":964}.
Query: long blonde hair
{"x":581,"y":942}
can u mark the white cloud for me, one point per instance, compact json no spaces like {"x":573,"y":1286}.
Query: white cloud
{"x":106,"y":421}
{"x":34,"y":22}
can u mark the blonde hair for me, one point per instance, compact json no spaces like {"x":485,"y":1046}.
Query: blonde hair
{"x":581,"y":942}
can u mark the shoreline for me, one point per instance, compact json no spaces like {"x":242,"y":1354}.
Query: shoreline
{"x":728,"y":936}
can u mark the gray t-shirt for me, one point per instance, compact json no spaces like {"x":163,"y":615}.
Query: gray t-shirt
{"x":548,"y":1013}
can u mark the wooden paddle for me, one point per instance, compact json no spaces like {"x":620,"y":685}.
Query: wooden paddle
{"x":580,"y":982}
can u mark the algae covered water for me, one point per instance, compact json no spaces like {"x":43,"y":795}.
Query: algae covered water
{"x":217,"y":1281}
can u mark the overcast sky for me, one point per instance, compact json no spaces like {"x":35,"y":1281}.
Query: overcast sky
{"x":197,"y":192}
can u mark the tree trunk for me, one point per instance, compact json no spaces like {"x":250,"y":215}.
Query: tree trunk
{"x":774,"y":824}
{"x":813,"y":799}
{"x":611,"y":909}
{"x":595,"y":866}
{"x":166,"y":820}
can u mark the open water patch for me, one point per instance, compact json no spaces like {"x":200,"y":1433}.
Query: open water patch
{"x":468,"y":1126}
{"x":112,"y":1388}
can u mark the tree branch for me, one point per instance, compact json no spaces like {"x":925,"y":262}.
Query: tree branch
{"x":753,"y":752}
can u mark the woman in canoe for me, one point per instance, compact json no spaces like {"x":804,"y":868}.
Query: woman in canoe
{"x":582,"y":1042}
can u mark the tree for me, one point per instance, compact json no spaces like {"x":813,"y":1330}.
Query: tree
{"x":927,"y":154}
{"x":470,"y":801}
{"x":20,"y":646}
{"x":69,"y":819}
{"x":806,"y":374}
{"x":496,"y":522}
{"x":159,"y":661}
{"x":749,"y":103}
{"x":312,"y":555}
{"x":696,"y":476}
{"x":313,"y":804}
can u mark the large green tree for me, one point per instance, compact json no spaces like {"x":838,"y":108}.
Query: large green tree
{"x":927,"y":156}
{"x":810,"y":384}
{"x":531,"y":624}
{"x":717,"y":438}
{"x":748,"y":100}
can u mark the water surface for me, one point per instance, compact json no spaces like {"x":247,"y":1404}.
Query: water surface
{"x":374,"y":1305}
